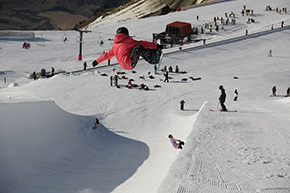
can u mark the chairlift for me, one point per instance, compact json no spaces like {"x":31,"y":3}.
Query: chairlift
{"x":101,"y":40}
{"x":41,"y":43}
{"x":65,"y":38}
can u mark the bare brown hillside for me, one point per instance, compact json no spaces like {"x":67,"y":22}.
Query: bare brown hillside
{"x":50,"y":14}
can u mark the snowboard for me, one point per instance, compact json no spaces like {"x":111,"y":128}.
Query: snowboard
{"x":223,"y":111}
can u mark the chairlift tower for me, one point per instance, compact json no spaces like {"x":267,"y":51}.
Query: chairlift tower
{"x":81,"y":41}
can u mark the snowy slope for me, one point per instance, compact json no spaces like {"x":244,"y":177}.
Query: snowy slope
{"x":243,"y":151}
{"x":49,"y":145}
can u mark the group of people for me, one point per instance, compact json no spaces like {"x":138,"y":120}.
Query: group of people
{"x":42,"y":73}
{"x":274,"y":91}
{"x":222,"y":98}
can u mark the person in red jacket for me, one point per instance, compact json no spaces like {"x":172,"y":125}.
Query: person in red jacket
{"x":127,"y":51}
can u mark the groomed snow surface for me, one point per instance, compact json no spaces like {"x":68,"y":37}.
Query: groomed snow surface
{"x":47,"y":143}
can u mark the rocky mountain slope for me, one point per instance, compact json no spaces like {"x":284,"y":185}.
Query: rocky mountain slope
{"x":50,"y":14}
{"x":67,"y":14}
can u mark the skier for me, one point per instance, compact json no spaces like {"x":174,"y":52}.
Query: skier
{"x":177,"y":144}
{"x":236,"y":95}
{"x":127,"y":51}
{"x":222,"y":98}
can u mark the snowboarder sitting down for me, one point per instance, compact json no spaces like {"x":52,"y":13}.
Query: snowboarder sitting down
{"x":177,"y":144}
{"x":127,"y":51}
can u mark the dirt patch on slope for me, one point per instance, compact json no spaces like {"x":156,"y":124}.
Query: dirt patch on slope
{"x":63,"y":20}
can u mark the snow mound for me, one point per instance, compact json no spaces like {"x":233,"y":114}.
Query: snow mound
{"x":13,"y":84}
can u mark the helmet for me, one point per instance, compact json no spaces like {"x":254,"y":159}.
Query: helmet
{"x":122,"y":30}
{"x":221,"y":87}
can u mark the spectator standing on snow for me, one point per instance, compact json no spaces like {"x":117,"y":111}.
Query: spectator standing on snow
{"x":288,"y":92}
{"x":111,"y":80}
{"x":85,"y":65}
{"x":52,"y":71}
{"x":43,"y":72}
{"x":182,"y":105}
{"x":170,"y":69}
{"x":116,"y":80}
{"x":176,"y":143}
{"x":270,"y":53}
{"x":34,"y":75}
{"x":177,"y":69}
{"x":222,"y":98}
{"x":130,"y":84}
{"x":274,"y":90}
{"x":155,"y":68}
{"x":166,"y":76}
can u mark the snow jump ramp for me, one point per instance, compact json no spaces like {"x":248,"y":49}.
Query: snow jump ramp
{"x":45,"y":149}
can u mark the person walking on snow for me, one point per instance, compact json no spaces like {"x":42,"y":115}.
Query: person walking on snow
{"x":166,"y":76}
{"x":176,"y":143}
{"x":222,"y":98}
{"x":127,"y":50}
{"x":274,"y":90}
{"x":236,"y":95}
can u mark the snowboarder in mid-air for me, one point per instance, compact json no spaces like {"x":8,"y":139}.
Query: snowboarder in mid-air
{"x":127,"y":51}
{"x":177,"y":144}
{"x":222,"y":98}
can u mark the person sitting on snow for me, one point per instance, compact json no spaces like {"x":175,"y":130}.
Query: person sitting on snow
{"x":177,"y":144}
{"x":130,"y":85}
{"x":127,"y":51}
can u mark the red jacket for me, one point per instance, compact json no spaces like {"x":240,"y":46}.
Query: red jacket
{"x":122,"y":47}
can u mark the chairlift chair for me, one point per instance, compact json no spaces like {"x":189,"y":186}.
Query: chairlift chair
{"x":41,"y":43}
{"x":65,"y":38}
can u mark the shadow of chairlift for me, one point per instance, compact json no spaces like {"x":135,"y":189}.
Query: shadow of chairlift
{"x":41,"y":43}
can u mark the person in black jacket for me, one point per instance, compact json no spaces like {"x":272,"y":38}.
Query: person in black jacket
{"x":222,"y":98}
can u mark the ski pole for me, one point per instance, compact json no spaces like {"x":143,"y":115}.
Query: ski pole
{"x":217,"y":108}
